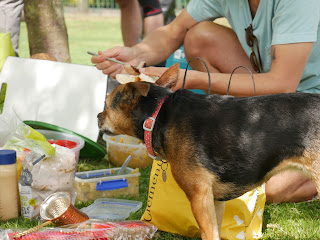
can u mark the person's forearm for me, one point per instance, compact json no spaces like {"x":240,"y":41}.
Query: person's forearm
{"x":241,"y":84}
{"x":157,"y":46}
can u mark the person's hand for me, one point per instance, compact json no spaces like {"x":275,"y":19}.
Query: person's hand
{"x":158,"y":71}
{"x":123,"y":54}
{"x":153,"y":71}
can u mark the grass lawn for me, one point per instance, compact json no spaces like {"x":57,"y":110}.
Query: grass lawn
{"x":86,"y":33}
{"x":283,"y":221}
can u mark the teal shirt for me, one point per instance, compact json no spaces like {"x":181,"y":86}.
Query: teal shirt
{"x":276,"y":22}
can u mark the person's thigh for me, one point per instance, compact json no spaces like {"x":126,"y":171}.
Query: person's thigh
{"x":218,"y":46}
{"x":125,"y":3}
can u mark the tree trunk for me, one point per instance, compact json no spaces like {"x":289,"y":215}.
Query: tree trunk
{"x":47,"y":31}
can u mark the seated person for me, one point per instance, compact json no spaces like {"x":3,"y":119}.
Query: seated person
{"x":279,"y":41}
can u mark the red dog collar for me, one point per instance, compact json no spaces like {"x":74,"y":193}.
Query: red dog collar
{"x":148,"y":126}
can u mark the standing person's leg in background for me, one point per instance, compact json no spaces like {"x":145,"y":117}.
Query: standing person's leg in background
{"x":131,"y":21}
{"x":152,"y":15}
{"x":168,"y":9}
{"x":10,"y":11}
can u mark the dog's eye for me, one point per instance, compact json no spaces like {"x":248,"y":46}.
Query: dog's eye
{"x":116,"y":100}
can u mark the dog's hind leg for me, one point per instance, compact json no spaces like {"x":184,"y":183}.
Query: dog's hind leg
{"x":197,"y":185}
{"x":219,"y":206}
{"x":204,"y":211}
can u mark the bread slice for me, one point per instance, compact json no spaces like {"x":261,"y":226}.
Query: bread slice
{"x":147,"y":78}
{"x":125,"y":78}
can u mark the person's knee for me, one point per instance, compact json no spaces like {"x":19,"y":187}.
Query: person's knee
{"x":196,"y":37}
{"x":204,"y":34}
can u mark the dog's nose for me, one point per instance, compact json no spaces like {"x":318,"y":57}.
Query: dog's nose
{"x":99,"y":116}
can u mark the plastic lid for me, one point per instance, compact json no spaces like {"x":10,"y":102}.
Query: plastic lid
{"x":7,"y":157}
{"x":111,"y":209}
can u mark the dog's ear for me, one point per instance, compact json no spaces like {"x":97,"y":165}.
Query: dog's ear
{"x":170,"y":77}
{"x":141,"y":88}
{"x":133,"y":90}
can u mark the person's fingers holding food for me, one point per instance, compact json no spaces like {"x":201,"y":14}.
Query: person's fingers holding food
{"x":109,"y":67}
{"x":166,"y":78}
{"x":113,"y":70}
{"x":123,"y":54}
{"x":95,"y":59}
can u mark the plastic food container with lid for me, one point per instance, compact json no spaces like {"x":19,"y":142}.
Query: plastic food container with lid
{"x":105,"y":183}
{"x":111,"y":209}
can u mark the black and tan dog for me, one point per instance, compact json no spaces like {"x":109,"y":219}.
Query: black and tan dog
{"x":219,"y":147}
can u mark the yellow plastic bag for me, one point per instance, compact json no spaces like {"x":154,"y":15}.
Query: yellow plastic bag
{"x":169,"y":209}
{"x":6,"y":48}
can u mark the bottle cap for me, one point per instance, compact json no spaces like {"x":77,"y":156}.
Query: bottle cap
{"x":7,"y":157}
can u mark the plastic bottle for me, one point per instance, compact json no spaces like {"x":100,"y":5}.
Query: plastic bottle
{"x":8,"y":185}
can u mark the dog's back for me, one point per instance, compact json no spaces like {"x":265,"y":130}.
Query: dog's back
{"x":241,"y":140}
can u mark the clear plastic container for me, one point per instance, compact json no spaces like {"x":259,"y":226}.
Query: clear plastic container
{"x":111,"y":209}
{"x":121,"y":146}
{"x":8,"y":185}
{"x":105,"y":183}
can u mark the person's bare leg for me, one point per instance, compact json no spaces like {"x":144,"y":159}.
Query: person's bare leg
{"x":131,"y":21}
{"x":218,"y":46}
{"x":290,"y":186}
{"x":153,"y":22}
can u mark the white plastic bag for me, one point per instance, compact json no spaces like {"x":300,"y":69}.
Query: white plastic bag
{"x":16,"y":135}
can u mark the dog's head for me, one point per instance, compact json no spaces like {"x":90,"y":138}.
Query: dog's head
{"x":130,"y":103}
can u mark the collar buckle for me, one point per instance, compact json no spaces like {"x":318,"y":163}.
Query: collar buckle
{"x":151,"y":121}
